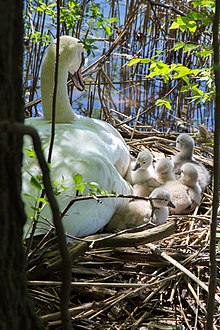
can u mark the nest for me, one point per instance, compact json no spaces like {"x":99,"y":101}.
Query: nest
{"x":151,"y":279}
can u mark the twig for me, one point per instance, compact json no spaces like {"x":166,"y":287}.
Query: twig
{"x":182,"y":268}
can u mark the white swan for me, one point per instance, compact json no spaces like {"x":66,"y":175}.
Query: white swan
{"x":139,"y":212}
{"x":90,"y":147}
{"x":185,"y":192}
{"x":185,"y":145}
{"x":164,"y":170}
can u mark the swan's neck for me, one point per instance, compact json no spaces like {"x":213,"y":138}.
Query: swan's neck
{"x":161,"y":214}
{"x":64,"y":111}
{"x":187,"y":153}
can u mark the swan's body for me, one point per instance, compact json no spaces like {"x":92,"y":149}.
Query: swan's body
{"x":139,"y":212}
{"x":164,"y":170}
{"x":90,"y":147}
{"x":185,"y":192}
{"x":185,"y":145}
{"x":142,"y":174}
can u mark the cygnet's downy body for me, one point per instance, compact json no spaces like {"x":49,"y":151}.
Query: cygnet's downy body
{"x":139,"y":212}
{"x":185,"y":192}
{"x":185,"y":145}
{"x":164,"y":170}
{"x":143,"y":175}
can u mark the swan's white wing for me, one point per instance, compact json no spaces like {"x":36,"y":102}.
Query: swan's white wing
{"x":93,"y":154}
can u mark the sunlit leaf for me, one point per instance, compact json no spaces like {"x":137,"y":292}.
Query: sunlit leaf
{"x":134,"y":61}
{"x":178,"y":45}
{"x":77,"y":178}
{"x":190,"y":47}
{"x":80,"y":187}
{"x":108,"y":30}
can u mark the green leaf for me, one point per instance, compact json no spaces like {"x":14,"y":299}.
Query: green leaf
{"x":134,"y":61}
{"x":43,"y":200}
{"x":174,"y":25}
{"x":190,"y":47}
{"x":204,"y":53}
{"x":108,"y":30}
{"x":30,"y":152}
{"x":77,"y":178}
{"x":192,"y":26}
{"x":164,"y":102}
{"x":112,"y":19}
{"x":93,"y":185}
{"x":178,"y":45}
{"x":36,"y":183}
{"x":181,"y":71}
{"x":80,"y":187}
{"x":146,"y":60}
{"x":185,"y":88}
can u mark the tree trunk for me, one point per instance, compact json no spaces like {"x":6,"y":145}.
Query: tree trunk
{"x":16,"y":311}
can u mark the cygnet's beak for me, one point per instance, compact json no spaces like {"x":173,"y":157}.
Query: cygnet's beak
{"x":170,"y":204}
{"x":77,"y":77}
{"x":136,"y":166}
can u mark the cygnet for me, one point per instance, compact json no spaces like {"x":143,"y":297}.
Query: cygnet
{"x":142,"y":169}
{"x":143,"y":175}
{"x":185,"y":145}
{"x":185,"y":192}
{"x":164,"y":170}
{"x":139,"y":212}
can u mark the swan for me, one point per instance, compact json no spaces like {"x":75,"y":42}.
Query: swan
{"x":142,"y":174}
{"x":85,"y":146}
{"x":185,"y":145}
{"x":185,"y":192}
{"x":164,"y":170}
{"x":139,"y":212}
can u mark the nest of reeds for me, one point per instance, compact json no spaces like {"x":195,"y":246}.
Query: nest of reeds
{"x":152,"y":279}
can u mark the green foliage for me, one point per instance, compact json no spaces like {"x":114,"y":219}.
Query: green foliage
{"x":94,"y":188}
{"x":70,"y":14}
{"x":191,"y":78}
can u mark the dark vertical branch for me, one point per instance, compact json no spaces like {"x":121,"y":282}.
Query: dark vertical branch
{"x":55,"y":84}
{"x":215,"y":203}
{"x":66,"y":261}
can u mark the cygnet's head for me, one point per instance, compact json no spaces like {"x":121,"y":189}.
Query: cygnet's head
{"x":143,"y":161}
{"x":161,"y":198}
{"x":164,"y":166}
{"x":189,"y":174}
{"x":184,"y":142}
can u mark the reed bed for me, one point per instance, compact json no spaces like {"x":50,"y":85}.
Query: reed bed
{"x":142,"y":30}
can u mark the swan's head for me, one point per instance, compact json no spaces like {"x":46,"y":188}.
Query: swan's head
{"x":143,"y":161}
{"x":71,"y":56}
{"x":189,"y":174}
{"x":161,"y":198}
{"x":184,"y":142}
{"x":163,"y":166}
